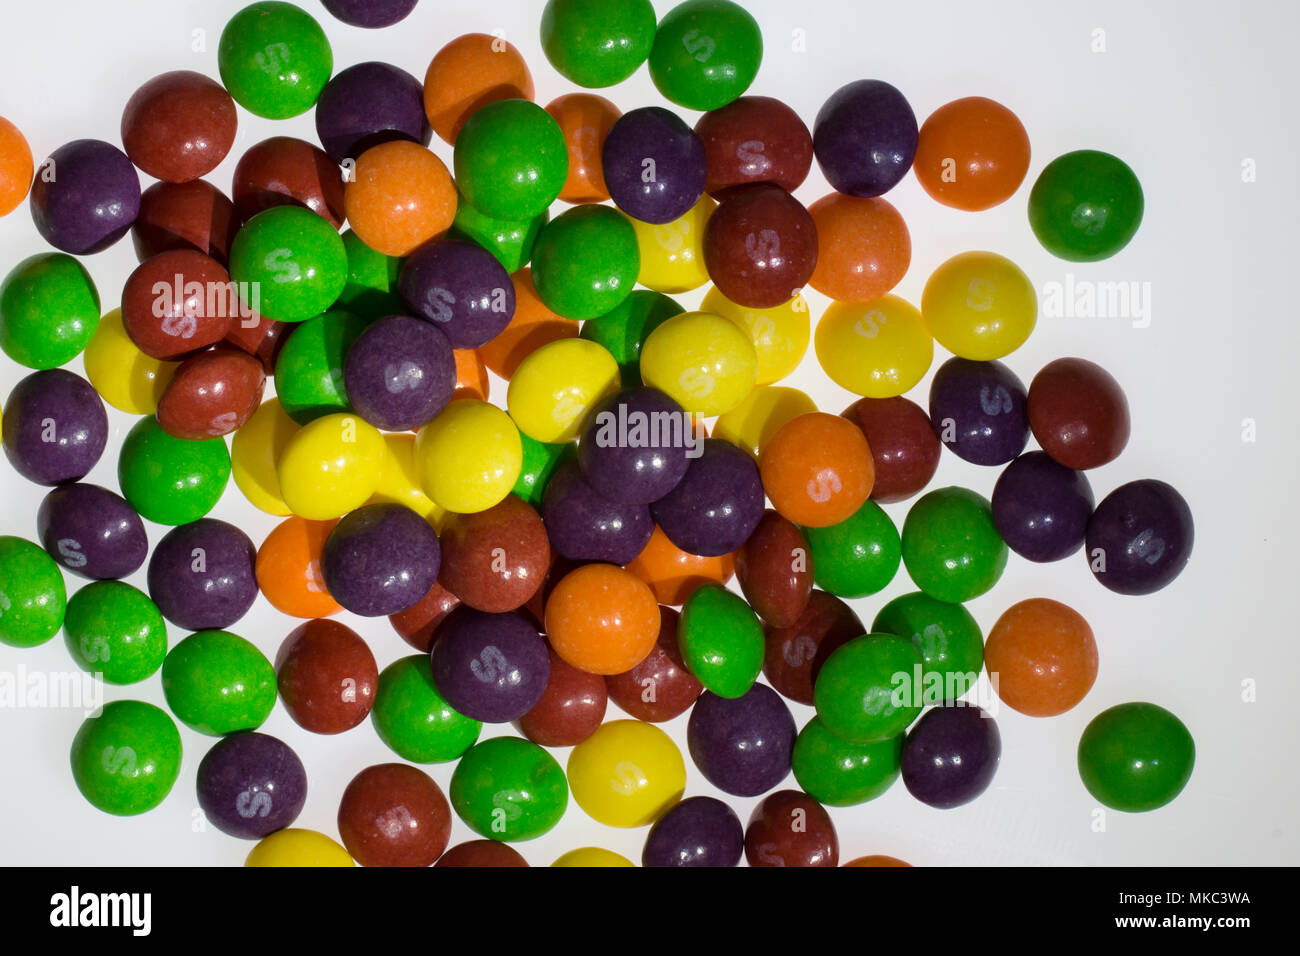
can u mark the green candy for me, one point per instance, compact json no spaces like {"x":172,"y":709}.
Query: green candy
{"x":509,"y":789}
{"x":511,"y":159}
{"x":948,"y":637}
{"x":274,"y":59}
{"x":33,"y":597}
{"x":706,"y":53}
{"x":840,"y":774}
{"x":597,"y":43}
{"x":624,"y":329}
{"x":951,"y":547}
{"x":414,"y":720}
{"x":866,"y":691}
{"x":170,"y":480}
{"x":126,"y":760}
{"x":721,"y":640}
{"x":541,"y":461}
{"x":309,"y":368}
{"x":115,"y":630}
{"x":217,"y":683}
{"x":510,"y":240}
{"x":586,"y":262}
{"x":371,"y":289}
{"x":297,"y":260}
{"x":1085,"y":206}
{"x":858,"y":556}
{"x":1136,"y":757}
{"x":49,"y":309}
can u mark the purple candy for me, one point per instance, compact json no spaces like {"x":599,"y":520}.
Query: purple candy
{"x":370,"y":14}
{"x":717,"y":504}
{"x":369,"y":104}
{"x":584,"y":525}
{"x":380,"y":559}
{"x":979,"y":410}
{"x":92,"y":532}
{"x":202,"y":575}
{"x":865,"y":138}
{"x":950,"y":755}
{"x":1140,"y":537}
{"x":399,"y":373}
{"x":490,"y":667}
{"x":85,"y":197}
{"x":55,"y":427}
{"x":633,"y":448}
{"x":461,"y":288}
{"x":1041,"y":508}
{"x":743,"y":746}
{"x":250,"y":785}
{"x":654,"y":165}
{"x":699,"y":831}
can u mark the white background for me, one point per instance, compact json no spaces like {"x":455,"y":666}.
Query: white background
{"x":1184,"y":92}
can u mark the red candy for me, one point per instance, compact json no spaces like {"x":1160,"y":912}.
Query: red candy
{"x":904,"y":447}
{"x":283,"y":170}
{"x":1078,"y":413}
{"x":790,"y":828}
{"x":262,"y":340}
{"x":754,"y":139}
{"x":660,"y":687}
{"x":326,"y":676}
{"x":211,"y":394}
{"x":760,"y":246}
{"x":418,"y":623}
{"x":177,"y":303}
{"x":179,"y":126}
{"x":775,"y":570}
{"x":394,"y":814}
{"x":194,"y":215}
{"x":571,"y":708}
{"x":794,"y":654}
{"x":481,"y":853}
{"x":495,"y":560}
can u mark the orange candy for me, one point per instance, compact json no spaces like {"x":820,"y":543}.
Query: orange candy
{"x":471,"y":375}
{"x":1041,"y":657}
{"x":399,"y":197}
{"x":16,"y":167}
{"x":972,"y":154}
{"x":674,"y":574}
{"x":863,"y":247}
{"x":532,"y":326}
{"x":472,"y":71}
{"x":602,"y":619}
{"x":288,"y":568}
{"x":817,"y":469}
{"x":876,"y":859}
{"x":585,"y":119}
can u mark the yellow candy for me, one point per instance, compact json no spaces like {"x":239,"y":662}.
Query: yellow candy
{"x":626,"y":774}
{"x":751,"y":423}
{"x":878,"y":349}
{"x":125,"y":377}
{"x":254,"y":451}
{"x":469,"y":456}
{"x":296,"y":847}
{"x":703,"y":361}
{"x":556,"y":385}
{"x":400,"y":481}
{"x":672,"y":254}
{"x":979,"y":305}
{"x":780,"y":334}
{"x":331,"y":466}
{"x":589,"y":856}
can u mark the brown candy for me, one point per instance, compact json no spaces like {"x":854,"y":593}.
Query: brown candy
{"x":794,"y":654}
{"x":283,"y":170}
{"x":495,"y":560}
{"x":326,"y":676}
{"x":775,"y":571}
{"x":571,"y":708}
{"x":790,"y":828}
{"x":660,"y":687}
{"x":394,"y":814}
{"x":211,"y":394}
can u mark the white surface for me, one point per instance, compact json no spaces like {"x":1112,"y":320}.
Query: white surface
{"x":1184,"y":92}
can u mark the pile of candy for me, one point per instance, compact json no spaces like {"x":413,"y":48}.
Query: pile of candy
{"x":574,"y":548}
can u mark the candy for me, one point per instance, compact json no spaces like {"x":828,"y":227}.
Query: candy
{"x":704,"y":362}
{"x":471,"y":375}
{"x":211,"y":394}
{"x":633,"y":447}
{"x":672,"y":254}
{"x":217,"y":683}
{"x":597,"y":43}
{"x":254,"y":451}
{"x":1041,"y":508}
{"x":380,"y":559}
{"x":48,"y":310}
{"x":481,"y":853}
{"x":330,"y":466}
{"x":857,"y":556}
{"x":626,"y":774}
{"x":951,"y":547}
{"x":947,"y":637}
{"x":201,"y":575}
{"x":55,"y":427}
{"x":1078,"y":413}
{"x":788,"y":828}
{"x":583,"y":525}
{"x":296,"y":259}
{"x":194,"y":215}
{"x":16,"y":167}
{"x":1136,"y":757}
{"x":296,"y":847}
{"x":865,"y":138}
{"x":35,"y":598}
{"x":414,"y":720}
{"x":86,"y":197}
{"x":399,"y":373}
{"x":124,"y":376}
{"x":274,"y":59}
{"x":753,"y":422}
{"x":570,"y":709}
{"x":979,"y":411}
{"x":125,"y":760}
{"x":309,"y":371}
{"x":1085,"y":206}
{"x":864,"y":247}
{"x":495,"y":560}
{"x":660,"y":687}
{"x":459,"y":287}
{"x":653,"y":165}
{"x":370,"y":14}
{"x":368,"y":104}
{"x":876,"y":859}
{"x":673,"y":573}
{"x":399,"y":197}
{"x":371,"y":289}
{"x":742,"y":746}
{"x":511,"y":160}
{"x":699,"y":831}
{"x":1041,"y":657}
{"x":624,"y":329}
{"x":540,"y":463}
{"x":779,"y":334}
{"x":904,"y":448}
{"x":842,"y":774}
{"x":878,"y":349}
{"x":288,"y":568}
{"x":817,"y":469}
{"x":393,"y":814}
{"x":177,"y":303}
{"x":171,"y":480}
{"x":419,"y":622}
{"x":250,"y":785}
{"x":261,"y":339}
{"x":592,"y":856}
{"x":585,"y":119}
{"x":91,"y":532}
{"x":469,"y":73}
{"x":509,"y":240}
{"x":706,"y":53}
{"x":951,"y":755}
{"x":490,"y":667}
{"x":1140,"y":537}
{"x":509,"y":789}
{"x":979,"y":306}
{"x":760,"y":245}
{"x":972,"y":154}
{"x":754,"y":139}
{"x":179,"y":126}
{"x":865,"y":691}
{"x":556,"y":386}
{"x":532,"y":326}
{"x":114,"y":630}
{"x":717,"y":504}
{"x":284,"y":171}
{"x":469,"y":456}
{"x":721,"y":641}
{"x":585,"y":262}
{"x":602,"y":619}
{"x":326,"y":676}
{"x":794,"y":654}
{"x":775,"y":570}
